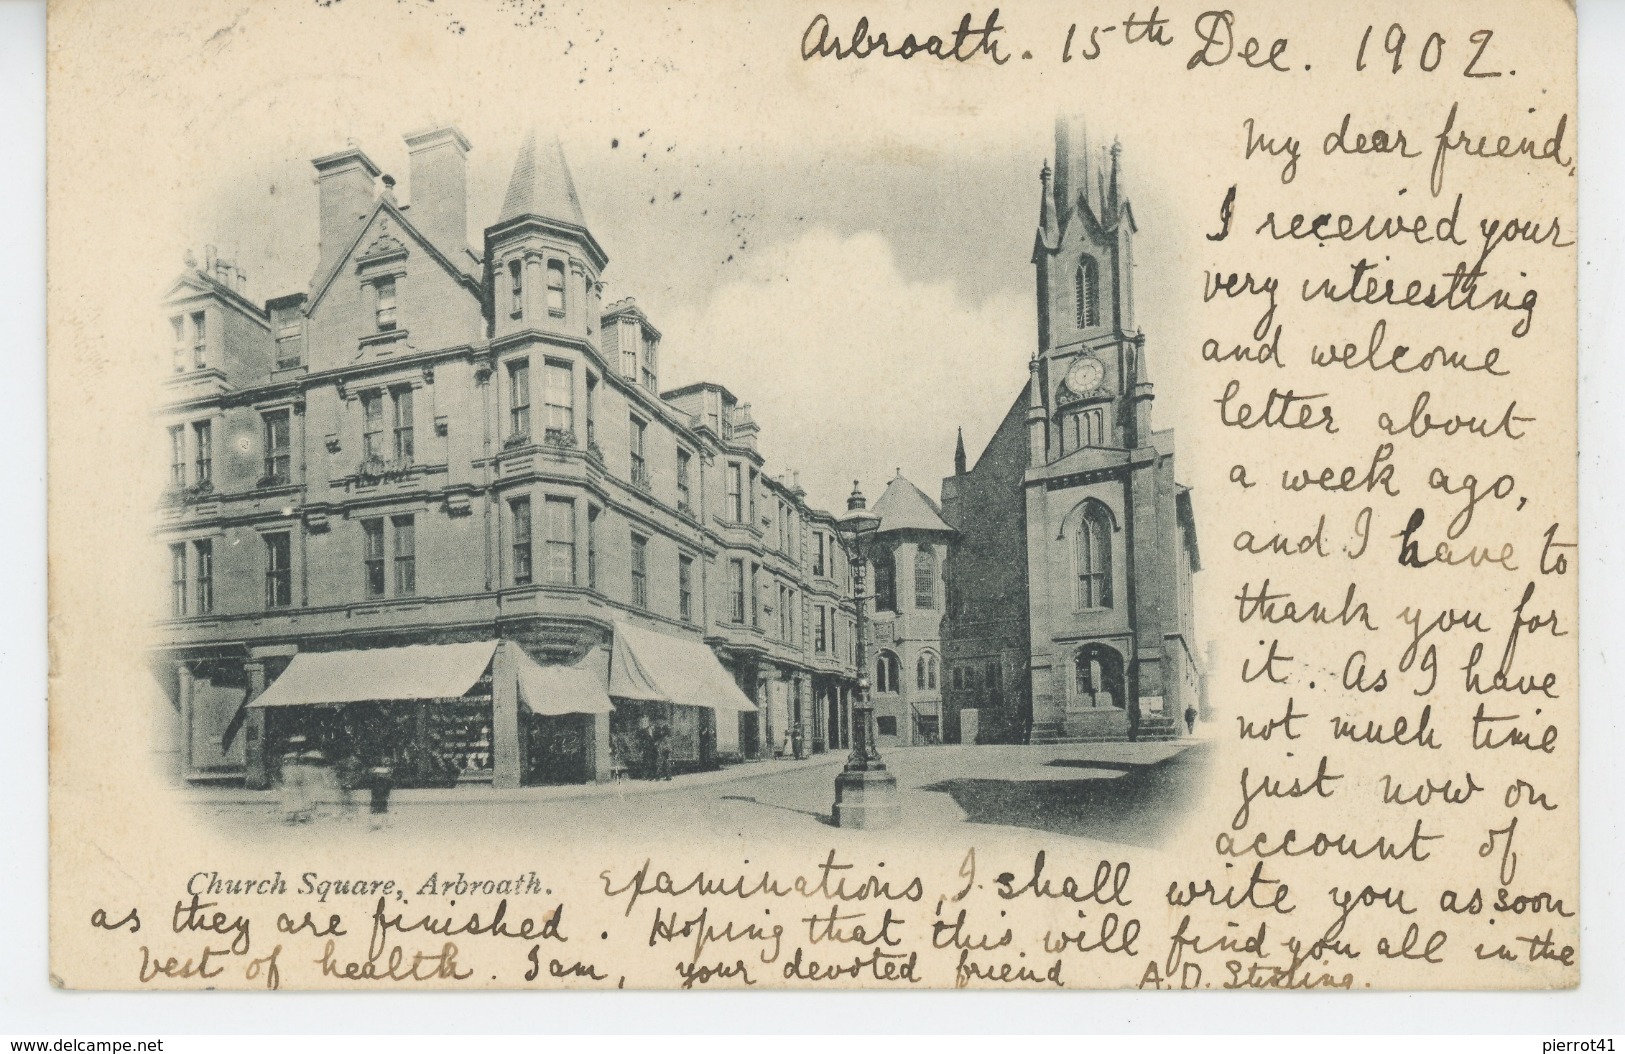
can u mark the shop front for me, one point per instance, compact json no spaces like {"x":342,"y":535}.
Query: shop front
{"x":424,"y":711}
{"x":671,"y":696}
{"x":561,"y":708}
{"x":431,"y":714}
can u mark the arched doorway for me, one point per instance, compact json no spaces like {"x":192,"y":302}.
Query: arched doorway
{"x":1098,"y":677}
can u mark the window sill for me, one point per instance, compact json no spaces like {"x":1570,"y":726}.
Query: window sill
{"x":387,"y":336}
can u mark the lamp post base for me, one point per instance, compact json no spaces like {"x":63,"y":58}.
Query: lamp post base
{"x":867,"y":800}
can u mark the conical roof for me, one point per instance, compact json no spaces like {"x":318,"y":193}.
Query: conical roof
{"x":541,"y":184}
{"x":904,"y":507}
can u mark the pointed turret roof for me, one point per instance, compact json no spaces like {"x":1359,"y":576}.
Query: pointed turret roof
{"x":904,"y":507}
{"x":1048,"y":238}
{"x":541,"y":184}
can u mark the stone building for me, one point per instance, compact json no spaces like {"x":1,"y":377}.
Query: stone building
{"x":437,"y":507}
{"x":1070,"y":613}
{"x":905,"y":616}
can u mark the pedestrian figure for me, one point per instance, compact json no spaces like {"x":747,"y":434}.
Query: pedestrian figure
{"x":662,"y":744}
{"x":1190,"y":719}
{"x":648,"y":750}
{"x":380,"y":780}
{"x":349,"y":776}
{"x":300,"y":770}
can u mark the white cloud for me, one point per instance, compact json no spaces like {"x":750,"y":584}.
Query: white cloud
{"x":852,"y":369}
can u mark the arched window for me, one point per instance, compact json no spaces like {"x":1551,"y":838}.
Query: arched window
{"x":1084,"y":428}
{"x":919,"y":673}
{"x":887,"y":673}
{"x":1087,"y":283}
{"x":885,"y":582}
{"x":925,"y":578}
{"x":931,"y":672}
{"x":1093,"y":556}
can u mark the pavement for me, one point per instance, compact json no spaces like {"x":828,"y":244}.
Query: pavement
{"x":230,"y":794}
{"x":1128,"y":793}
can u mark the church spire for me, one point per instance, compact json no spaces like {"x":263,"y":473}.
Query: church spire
{"x":959,"y":454}
{"x":1074,"y":174}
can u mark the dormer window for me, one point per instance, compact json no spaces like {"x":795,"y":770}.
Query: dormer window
{"x":288,"y":353}
{"x":1087,"y":290}
{"x":555,"y":288}
{"x":650,"y":380}
{"x":200,"y":339}
{"x":386,"y":303}
{"x":629,"y":353}
{"x":516,"y":297}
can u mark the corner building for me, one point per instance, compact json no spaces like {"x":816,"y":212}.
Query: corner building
{"x":436,"y":509}
{"x":905,"y":629}
{"x":1070,"y":610}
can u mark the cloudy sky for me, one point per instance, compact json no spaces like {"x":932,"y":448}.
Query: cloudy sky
{"x":860,"y":275}
{"x":866,"y":308}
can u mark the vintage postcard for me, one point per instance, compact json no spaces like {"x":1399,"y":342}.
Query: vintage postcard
{"x":809,"y":496}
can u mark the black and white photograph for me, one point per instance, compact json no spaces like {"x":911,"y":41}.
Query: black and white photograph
{"x":438,"y":522}
{"x":718,"y":497}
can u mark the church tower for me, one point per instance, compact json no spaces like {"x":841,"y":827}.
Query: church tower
{"x":1089,"y":384}
{"x":1103,"y":558}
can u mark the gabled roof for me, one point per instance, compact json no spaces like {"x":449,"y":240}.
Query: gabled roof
{"x":200,"y":282}
{"x":319,"y":289}
{"x":904,"y":507}
{"x":541,"y":185}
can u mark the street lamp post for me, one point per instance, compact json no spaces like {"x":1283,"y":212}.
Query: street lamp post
{"x":865,"y":793}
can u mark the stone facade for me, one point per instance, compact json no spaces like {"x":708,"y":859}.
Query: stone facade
{"x":1071,"y":613}
{"x":437,"y":443}
{"x":905,"y":615}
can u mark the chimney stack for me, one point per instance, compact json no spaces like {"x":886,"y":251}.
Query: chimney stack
{"x":344,"y":187}
{"x":439,"y":186}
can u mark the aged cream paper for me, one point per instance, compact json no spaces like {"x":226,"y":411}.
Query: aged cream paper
{"x":454,"y":408}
